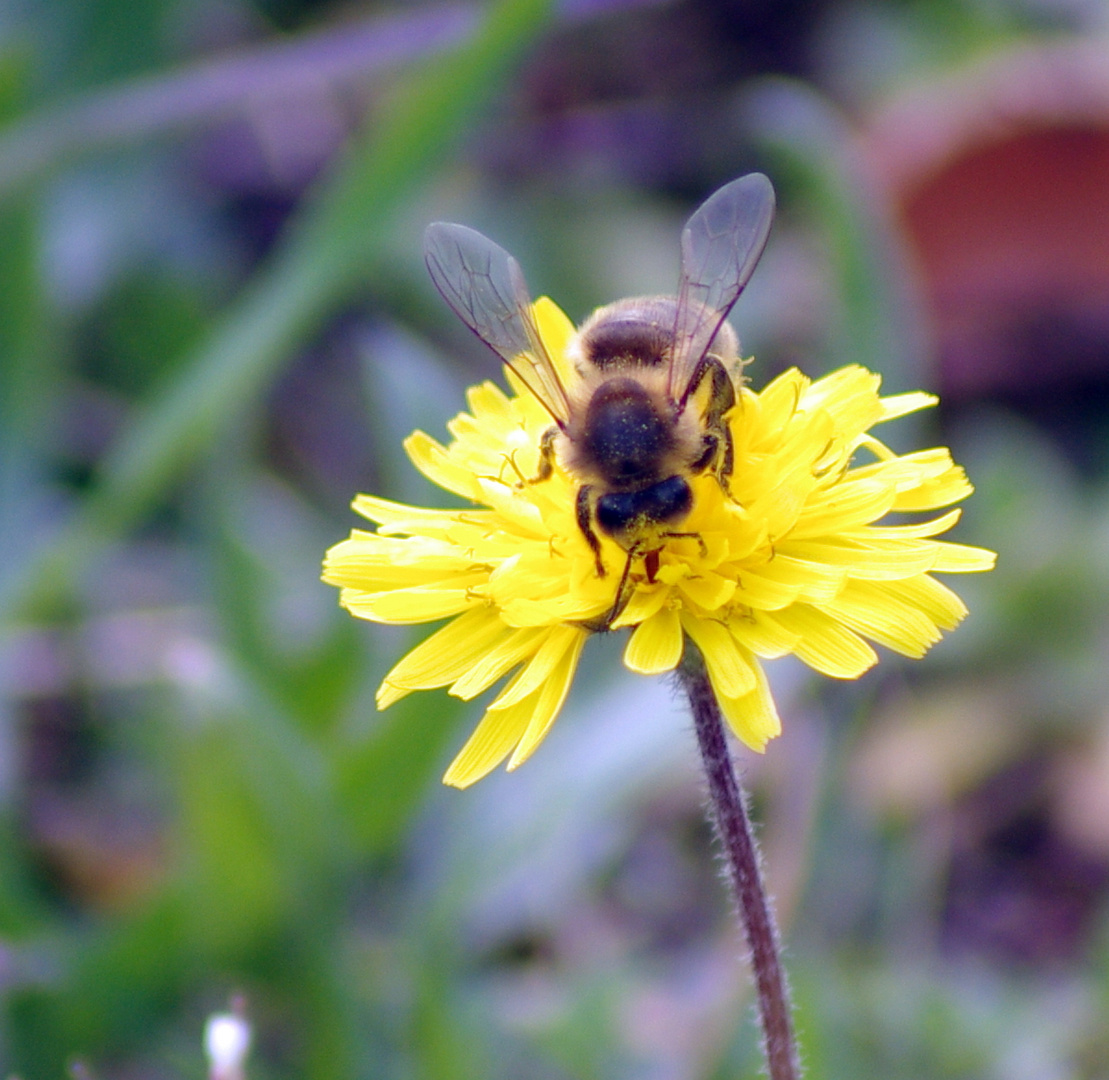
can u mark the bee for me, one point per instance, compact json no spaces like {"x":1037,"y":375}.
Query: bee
{"x":656,"y":376}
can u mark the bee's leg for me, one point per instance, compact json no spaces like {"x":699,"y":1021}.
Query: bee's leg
{"x":546,"y":455}
{"x":722,"y":461}
{"x":710,"y":449}
{"x":584,"y":508}
{"x":727,"y":461}
{"x":719,"y":449}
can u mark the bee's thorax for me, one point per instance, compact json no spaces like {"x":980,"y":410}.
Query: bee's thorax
{"x":625,"y":434}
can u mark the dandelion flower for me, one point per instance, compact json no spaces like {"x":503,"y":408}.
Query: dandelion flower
{"x":797,"y":557}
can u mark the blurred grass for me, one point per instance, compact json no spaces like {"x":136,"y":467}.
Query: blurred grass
{"x":328,"y":252}
{"x":875,"y":321}
{"x":274,"y":803}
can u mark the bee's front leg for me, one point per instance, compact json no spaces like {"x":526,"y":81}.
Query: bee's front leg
{"x":546,"y":455}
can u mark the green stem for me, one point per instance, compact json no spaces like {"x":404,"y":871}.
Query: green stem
{"x":733,"y":828}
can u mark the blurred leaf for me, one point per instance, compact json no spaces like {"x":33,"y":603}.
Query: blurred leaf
{"x":335,"y":55}
{"x":380,"y":767}
{"x":256,"y":821}
{"x":16,"y":63}
{"x":584,"y":1041}
{"x":233,"y":862}
{"x":876,"y":320}
{"x":124,"y":979}
{"x":28,"y":382}
{"x":145,"y":326}
{"x":444,"y":1046}
{"x":326,"y":256}
{"x":333,"y":1045}
{"x":20,"y":913}
{"x":314,"y":680}
{"x":109,"y":39}
{"x":28,"y":350}
{"x":381,"y":780}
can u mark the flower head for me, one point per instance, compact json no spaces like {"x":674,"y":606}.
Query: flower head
{"x":788,"y":560}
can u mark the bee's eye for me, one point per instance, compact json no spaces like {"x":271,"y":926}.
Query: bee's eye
{"x":669,"y":500}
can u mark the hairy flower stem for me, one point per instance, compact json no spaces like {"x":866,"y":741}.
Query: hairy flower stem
{"x":733,"y":828}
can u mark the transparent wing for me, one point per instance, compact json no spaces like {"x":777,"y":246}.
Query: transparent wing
{"x":485,"y":287}
{"x":721,"y":244}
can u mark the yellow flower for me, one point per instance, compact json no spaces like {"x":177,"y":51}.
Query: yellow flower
{"x":790,"y":563}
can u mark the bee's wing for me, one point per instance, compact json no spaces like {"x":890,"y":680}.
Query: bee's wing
{"x":721,"y":244}
{"x":485,"y":287}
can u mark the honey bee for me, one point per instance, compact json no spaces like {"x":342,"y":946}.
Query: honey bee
{"x":656,"y":375}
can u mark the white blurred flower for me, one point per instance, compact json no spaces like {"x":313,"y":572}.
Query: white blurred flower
{"x":226,"y":1042}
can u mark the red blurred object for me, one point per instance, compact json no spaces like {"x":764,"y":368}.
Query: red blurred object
{"x":1000,"y":177}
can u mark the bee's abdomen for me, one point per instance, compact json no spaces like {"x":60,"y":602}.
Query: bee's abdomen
{"x":625,"y":512}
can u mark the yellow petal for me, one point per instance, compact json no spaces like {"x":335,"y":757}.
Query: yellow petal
{"x":492,"y":741}
{"x":925,"y":479}
{"x":548,"y":701}
{"x":849,"y":396}
{"x":523,"y":612}
{"x":729,"y":668}
{"x":843,"y":505}
{"x":876,"y":560}
{"x":500,"y":658}
{"x":932,"y":597}
{"x":824,"y":644}
{"x":656,"y":644}
{"x":764,"y":591}
{"x":556,"y":331}
{"x":388,"y":694}
{"x":962,"y":558}
{"x":403,"y":606}
{"x":380,"y":564}
{"x":814,"y":580}
{"x":903,"y":404}
{"x":449,"y":652}
{"x":881,"y":615}
{"x":753,"y":717}
{"x":645,"y":602}
{"x":709,"y":591}
{"x":438,"y":465}
{"x":896,"y":532}
{"x":760,"y":635}
{"x":490,"y":405}
{"x":387,"y":512}
{"x":777,"y":402}
{"x":548,"y":658}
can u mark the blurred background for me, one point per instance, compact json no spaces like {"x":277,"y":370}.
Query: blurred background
{"x":215,"y":329}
